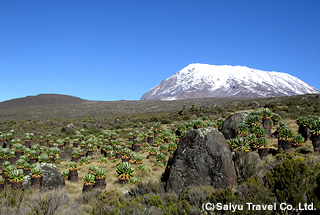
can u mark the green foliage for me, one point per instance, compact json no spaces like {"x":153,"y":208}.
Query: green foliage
{"x":154,"y":201}
{"x":103,"y":160}
{"x":4,"y":153}
{"x":125,"y":171}
{"x":20,"y":162}
{"x":258,"y":131}
{"x":276,"y":117}
{"x":84,"y":160}
{"x":142,"y":167}
{"x":220,"y":121}
{"x":252,"y":139}
{"x":36,"y":171}
{"x":18,"y":147}
{"x":163,"y":148}
{"x":297,"y":140}
{"x":161,"y":157}
{"x":33,"y":154}
{"x":253,"y":120}
{"x":291,"y":180}
{"x":172,"y":146}
{"x":286,"y":134}
{"x":266,"y":113}
{"x":16,"y":175}
{"x":75,"y":153}
{"x":43,"y":158}
{"x":315,"y":127}
{"x":65,"y":174}
{"x":262,"y":143}
{"x":100,"y":173}
{"x":72,"y":165}
{"x":242,"y":129}
{"x":239,"y":143}
{"x":134,"y":180}
{"x":252,"y":190}
{"x":89,"y":179}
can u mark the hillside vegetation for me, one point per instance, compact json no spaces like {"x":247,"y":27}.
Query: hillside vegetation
{"x":97,"y":124}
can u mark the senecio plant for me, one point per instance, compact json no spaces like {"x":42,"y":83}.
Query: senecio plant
{"x":125,"y":171}
{"x":297,"y":140}
{"x":65,"y":174}
{"x":253,"y":120}
{"x":72,"y":166}
{"x":36,"y":172}
{"x":242,"y":129}
{"x":89,"y":179}
{"x":100,"y":173}
{"x":315,"y":127}
{"x":16,"y":175}
{"x":286,"y":134}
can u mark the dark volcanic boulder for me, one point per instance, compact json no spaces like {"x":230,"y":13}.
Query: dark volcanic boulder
{"x":51,"y":178}
{"x":203,"y":157}
{"x":229,"y":127}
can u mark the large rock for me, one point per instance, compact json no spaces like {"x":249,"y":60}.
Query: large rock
{"x":229,"y":127}
{"x":203,"y":157}
{"x":68,"y":128}
{"x":51,"y":178}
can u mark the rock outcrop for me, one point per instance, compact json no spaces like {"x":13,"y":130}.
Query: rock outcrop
{"x":229,"y":127}
{"x":203,"y":157}
{"x":51,"y":178}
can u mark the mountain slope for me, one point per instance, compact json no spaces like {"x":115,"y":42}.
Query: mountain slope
{"x":41,"y":99}
{"x":203,"y":80}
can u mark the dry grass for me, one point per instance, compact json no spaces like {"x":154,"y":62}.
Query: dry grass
{"x":75,"y":189}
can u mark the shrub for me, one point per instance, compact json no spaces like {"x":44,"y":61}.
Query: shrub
{"x":154,"y":201}
{"x":142,"y":167}
{"x":134,"y":180}
{"x":290,"y":181}
{"x":108,"y":202}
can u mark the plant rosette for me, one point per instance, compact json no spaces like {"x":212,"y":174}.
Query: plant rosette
{"x":89,"y":179}
{"x":72,"y":166}
{"x":65,"y":174}
{"x":16,"y":175}
{"x":100,"y":174}
{"x":36,"y":172}
{"x":124,"y":171}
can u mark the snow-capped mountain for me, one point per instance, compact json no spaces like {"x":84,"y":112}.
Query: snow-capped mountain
{"x":203,"y":80}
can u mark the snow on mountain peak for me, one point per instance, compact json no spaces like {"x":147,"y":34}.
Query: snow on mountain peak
{"x":204,"y":80}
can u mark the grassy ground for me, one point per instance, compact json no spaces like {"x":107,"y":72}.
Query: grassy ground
{"x":152,"y":175}
{"x":126,"y":116}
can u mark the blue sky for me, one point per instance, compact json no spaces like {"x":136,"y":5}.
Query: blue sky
{"x":113,"y":50}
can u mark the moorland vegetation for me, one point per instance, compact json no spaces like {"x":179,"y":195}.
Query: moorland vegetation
{"x":113,"y":164}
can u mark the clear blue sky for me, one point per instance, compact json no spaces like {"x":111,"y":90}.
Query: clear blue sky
{"x":112,"y":49}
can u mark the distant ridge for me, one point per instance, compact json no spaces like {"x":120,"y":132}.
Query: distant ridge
{"x":41,"y":99}
{"x":204,"y":80}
